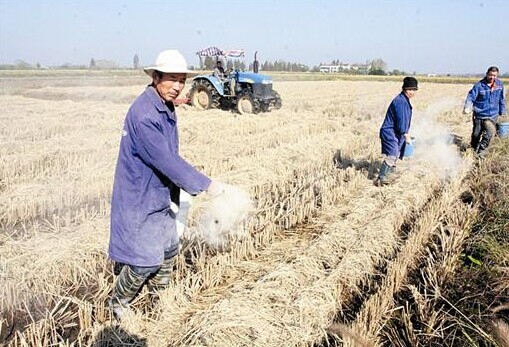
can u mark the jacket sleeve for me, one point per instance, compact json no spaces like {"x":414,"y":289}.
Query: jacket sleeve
{"x":402,"y":119}
{"x":471,"y":97}
{"x":502,"y":110}
{"x":154,"y":150}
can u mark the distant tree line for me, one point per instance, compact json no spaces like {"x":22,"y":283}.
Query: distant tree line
{"x":208,"y":63}
{"x":282,"y":65}
{"x":20,"y":65}
{"x":95,"y":64}
{"x":376,"y":66}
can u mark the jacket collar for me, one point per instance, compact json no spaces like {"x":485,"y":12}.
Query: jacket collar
{"x":407,"y":99}
{"x":158,"y":102}
{"x":485,"y":81}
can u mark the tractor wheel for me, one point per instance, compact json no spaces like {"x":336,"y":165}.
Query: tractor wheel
{"x":203,"y":95}
{"x":277,"y":102}
{"x":245,"y":104}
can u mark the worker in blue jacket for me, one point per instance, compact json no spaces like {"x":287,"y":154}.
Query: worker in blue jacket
{"x":149,"y":176}
{"x":486,"y":100}
{"x":394,"y":130}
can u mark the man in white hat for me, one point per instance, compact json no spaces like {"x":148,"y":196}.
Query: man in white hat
{"x":148,"y":178}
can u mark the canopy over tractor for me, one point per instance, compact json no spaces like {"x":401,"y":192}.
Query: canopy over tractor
{"x":246,"y":92}
{"x":216,"y":52}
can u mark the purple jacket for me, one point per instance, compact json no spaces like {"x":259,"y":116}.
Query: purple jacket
{"x":396,"y":124}
{"x":149,"y":171}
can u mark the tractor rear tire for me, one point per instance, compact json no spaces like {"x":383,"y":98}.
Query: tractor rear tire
{"x":245,"y":104}
{"x":204,"y":96}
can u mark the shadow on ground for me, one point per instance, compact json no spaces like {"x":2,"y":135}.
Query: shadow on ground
{"x":370,"y":167}
{"x":115,"y":336}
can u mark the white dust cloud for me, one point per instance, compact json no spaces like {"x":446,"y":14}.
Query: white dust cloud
{"x":222,"y":219}
{"x":434,"y":143}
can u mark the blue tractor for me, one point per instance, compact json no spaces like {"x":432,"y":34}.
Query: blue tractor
{"x":246,"y":92}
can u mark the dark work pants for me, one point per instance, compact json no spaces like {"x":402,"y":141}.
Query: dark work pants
{"x":482,"y":132}
{"x":147,"y":271}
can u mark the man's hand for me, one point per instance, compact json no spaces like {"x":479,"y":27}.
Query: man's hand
{"x":215,"y":189}
{"x":466,"y":110}
{"x":408,"y":139}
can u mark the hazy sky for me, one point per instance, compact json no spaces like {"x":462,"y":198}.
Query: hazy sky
{"x":432,"y":36}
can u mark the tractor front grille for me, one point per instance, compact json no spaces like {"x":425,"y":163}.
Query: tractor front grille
{"x":262,"y":90}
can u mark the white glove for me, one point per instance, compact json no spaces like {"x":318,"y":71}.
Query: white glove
{"x":215,"y":188}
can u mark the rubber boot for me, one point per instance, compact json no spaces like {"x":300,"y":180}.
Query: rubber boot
{"x":383,"y":175}
{"x":161,"y":279}
{"x":158,"y":282}
{"x":126,"y":287}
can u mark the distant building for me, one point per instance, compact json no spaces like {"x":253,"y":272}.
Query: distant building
{"x":344,"y":67}
{"x":329,"y":68}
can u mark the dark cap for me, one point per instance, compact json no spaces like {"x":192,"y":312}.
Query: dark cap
{"x":410,"y":83}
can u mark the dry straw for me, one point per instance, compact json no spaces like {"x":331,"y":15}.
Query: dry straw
{"x":278,"y":285}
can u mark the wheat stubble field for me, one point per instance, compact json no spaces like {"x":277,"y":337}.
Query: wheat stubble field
{"x":325,"y":249}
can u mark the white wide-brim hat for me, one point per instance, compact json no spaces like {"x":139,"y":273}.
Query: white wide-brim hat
{"x":169,"y":61}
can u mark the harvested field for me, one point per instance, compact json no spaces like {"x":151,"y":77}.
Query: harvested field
{"x":325,"y":245}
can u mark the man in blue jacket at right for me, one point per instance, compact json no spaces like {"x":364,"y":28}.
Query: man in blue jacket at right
{"x":486,"y":100}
